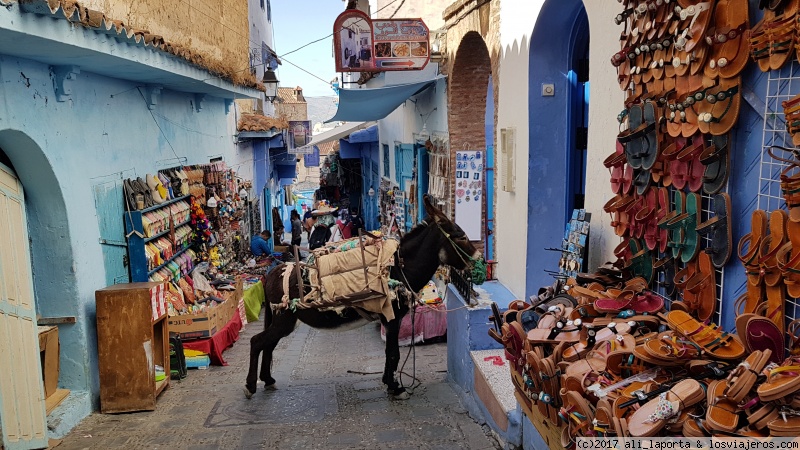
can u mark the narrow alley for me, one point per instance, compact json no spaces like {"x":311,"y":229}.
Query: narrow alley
{"x":329,"y":396}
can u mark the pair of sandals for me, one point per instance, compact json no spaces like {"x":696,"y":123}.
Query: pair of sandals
{"x":682,"y":225}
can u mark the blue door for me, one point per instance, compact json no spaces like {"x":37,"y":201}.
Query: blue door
{"x":404,"y":171}
{"x":268,"y":216}
{"x":108,"y":202}
{"x":422,"y":179}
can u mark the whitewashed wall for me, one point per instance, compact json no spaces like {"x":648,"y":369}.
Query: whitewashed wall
{"x":606,"y":101}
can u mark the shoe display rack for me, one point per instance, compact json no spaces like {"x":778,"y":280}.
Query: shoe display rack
{"x":157,"y":244}
{"x":782,"y":87}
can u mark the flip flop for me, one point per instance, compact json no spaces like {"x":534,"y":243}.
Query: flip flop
{"x":632,"y":138}
{"x":691,"y":156}
{"x":749,"y":248}
{"x":648,"y":420}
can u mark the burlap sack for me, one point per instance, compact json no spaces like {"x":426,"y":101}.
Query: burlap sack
{"x":342,"y":273}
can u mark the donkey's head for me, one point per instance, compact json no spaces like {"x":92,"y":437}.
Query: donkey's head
{"x":455,"y":249}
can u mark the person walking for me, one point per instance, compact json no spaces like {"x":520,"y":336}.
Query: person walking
{"x":297,"y":228}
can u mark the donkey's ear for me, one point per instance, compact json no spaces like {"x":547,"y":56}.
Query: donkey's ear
{"x":431,"y":209}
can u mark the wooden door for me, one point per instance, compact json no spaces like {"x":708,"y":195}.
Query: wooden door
{"x":22,"y":408}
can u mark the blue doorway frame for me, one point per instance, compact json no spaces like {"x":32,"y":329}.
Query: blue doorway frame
{"x":556,"y":166}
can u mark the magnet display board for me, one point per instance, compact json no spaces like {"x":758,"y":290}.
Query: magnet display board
{"x":469,"y":192}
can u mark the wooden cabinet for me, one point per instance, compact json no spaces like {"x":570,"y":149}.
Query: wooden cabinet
{"x":132,"y":338}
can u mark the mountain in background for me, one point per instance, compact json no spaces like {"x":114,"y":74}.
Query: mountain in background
{"x":321,"y":109}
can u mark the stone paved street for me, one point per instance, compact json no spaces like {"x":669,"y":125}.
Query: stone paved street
{"x":323,"y":401}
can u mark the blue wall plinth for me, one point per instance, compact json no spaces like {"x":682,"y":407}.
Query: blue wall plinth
{"x":467,"y":330}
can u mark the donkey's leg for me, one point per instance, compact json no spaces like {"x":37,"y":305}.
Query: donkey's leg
{"x":393,"y":359}
{"x":282,"y":325}
{"x":256,"y":347}
{"x":266,"y":341}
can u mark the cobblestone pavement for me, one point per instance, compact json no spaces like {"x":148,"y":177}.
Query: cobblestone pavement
{"x":329,"y":396}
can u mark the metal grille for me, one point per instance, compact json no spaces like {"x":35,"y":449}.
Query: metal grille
{"x":782,"y":85}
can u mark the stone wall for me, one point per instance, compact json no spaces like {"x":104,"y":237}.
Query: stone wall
{"x":472,"y":54}
{"x":217,"y":30}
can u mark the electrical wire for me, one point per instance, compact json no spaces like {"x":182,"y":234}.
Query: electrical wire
{"x":158,"y":125}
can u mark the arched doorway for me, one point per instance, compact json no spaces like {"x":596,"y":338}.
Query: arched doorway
{"x":52,"y":265}
{"x":558,"y":127}
{"x":469,"y":116}
{"x":22,"y":408}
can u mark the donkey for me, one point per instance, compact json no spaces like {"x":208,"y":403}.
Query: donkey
{"x":433,"y":242}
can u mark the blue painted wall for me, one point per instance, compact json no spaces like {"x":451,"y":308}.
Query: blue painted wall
{"x":550,"y":134}
{"x":58,"y":149}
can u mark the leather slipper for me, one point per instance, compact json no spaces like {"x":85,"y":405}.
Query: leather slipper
{"x":749,"y":248}
{"x":718,"y":229}
{"x":716,"y":160}
{"x":782,"y":35}
{"x":760,"y":41}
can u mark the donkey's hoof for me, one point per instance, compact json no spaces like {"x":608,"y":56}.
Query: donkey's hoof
{"x":271,"y":387}
{"x":398,"y":393}
{"x":247,"y":394}
{"x":401,"y":396}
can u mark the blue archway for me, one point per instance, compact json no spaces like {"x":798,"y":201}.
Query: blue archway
{"x":556,"y":165}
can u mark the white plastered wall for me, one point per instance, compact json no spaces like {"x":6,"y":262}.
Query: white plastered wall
{"x":517,"y":19}
{"x":606,"y":101}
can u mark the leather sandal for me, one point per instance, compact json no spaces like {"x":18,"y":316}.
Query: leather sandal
{"x":718,"y":229}
{"x":720,"y":110}
{"x":781,"y":381}
{"x":710,"y":338}
{"x":741,"y":380}
{"x":749,"y":249}
{"x":650,"y":418}
{"x":721,"y":414}
{"x":704,"y":286}
{"x":771,"y":273}
{"x":716,"y":160}
{"x":676,"y":232}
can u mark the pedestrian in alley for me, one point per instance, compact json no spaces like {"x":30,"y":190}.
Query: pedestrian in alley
{"x":258,"y":244}
{"x":297,"y":228}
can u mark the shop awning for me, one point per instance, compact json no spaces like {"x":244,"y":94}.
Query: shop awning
{"x":375,"y":104}
{"x":339,"y":132}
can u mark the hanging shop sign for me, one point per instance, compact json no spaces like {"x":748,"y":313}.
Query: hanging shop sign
{"x":364,"y":45}
{"x":469,"y":192}
{"x":299,"y":137}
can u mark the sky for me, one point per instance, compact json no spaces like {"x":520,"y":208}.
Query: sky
{"x":296,"y":23}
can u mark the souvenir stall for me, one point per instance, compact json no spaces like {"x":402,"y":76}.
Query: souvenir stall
{"x":638,"y":348}
{"x":185,"y":226}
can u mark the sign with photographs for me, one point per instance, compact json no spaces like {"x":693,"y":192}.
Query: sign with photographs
{"x":364,"y":45}
{"x":573,"y":247}
{"x":299,"y":136}
{"x":469,"y":192}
